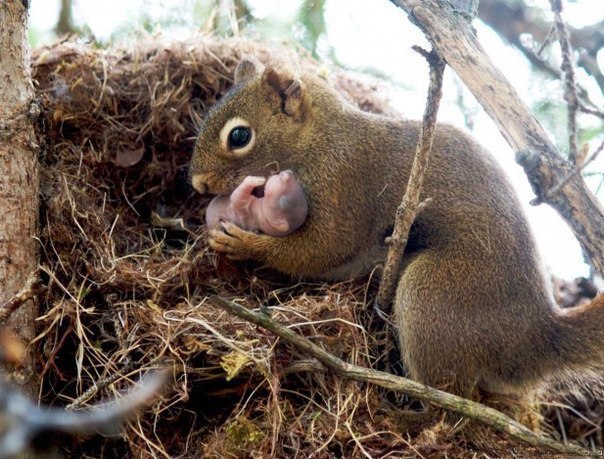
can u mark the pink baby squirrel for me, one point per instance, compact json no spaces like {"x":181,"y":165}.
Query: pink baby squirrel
{"x":282,"y":210}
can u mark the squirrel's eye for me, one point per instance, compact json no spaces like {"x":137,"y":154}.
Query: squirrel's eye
{"x":239,"y":137}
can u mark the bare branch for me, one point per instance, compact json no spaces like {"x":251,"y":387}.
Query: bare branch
{"x":513,"y":19}
{"x":410,"y":205}
{"x":26,"y":419}
{"x":465,"y":407}
{"x":548,"y":40}
{"x":591,"y":111}
{"x":31,"y":290}
{"x":456,"y":42}
{"x":570,"y":92}
{"x":576,"y":170}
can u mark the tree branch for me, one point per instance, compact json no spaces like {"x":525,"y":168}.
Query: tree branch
{"x":31,"y":289}
{"x":512,"y":19}
{"x":456,"y":42}
{"x":410,"y":205}
{"x":26,"y":419}
{"x":467,"y":408}
{"x":570,"y":92}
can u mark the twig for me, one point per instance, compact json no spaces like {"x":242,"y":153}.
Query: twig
{"x":570,"y":93}
{"x":509,"y":19}
{"x":26,"y":419}
{"x":576,"y":170}
{"x":457,"y":43}
{"x":465,"y":407}
{"x":591,"y":111}
{"x":548,"y":39}
{"x":31,"y":289}
{"x":410,"y":206}
{"x":94,"y":389}
{"x":585,"y":102}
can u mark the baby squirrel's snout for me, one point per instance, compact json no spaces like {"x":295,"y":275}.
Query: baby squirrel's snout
{"x":284,"y":177}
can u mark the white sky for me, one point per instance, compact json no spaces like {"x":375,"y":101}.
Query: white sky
{"x":375,"y":35}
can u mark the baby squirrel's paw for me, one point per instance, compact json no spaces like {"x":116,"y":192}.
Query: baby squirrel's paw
{"x":236,"y":243}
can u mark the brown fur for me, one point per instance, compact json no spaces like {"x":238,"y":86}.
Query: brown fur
{"x":473,"y":306}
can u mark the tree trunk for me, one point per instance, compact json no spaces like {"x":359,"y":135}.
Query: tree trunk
{"x":65,"y":23}
{"x":18,"y":177}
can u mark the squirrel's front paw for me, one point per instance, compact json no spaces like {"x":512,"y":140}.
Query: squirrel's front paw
{"x":234,"y":242}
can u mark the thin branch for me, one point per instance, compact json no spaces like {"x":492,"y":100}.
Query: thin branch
{"x":31,"y":290}
{"x":26,"y":419}
{"x":512,"y":19}
{"x":591,"y":111}
{"x":576,"y":170}
{"x":570,"y":92}
{"x":545,"y":66}
{"x":94,"y":389}
{"x":465,"y":407}
{"x":548,"y":40}
{"x":588,"y":61}
{"x":410,"y":206}
{"x":457,"y":43}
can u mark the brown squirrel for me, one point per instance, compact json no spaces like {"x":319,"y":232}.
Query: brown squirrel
{"x":473,"y":305}
{"x":280,"y":211}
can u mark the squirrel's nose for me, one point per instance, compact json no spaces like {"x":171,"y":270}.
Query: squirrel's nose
{"x":199,"y":183}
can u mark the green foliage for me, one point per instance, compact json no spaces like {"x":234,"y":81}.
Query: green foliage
{"x":242,"y":433}
{"x":33,"y":37}
{"x":551,"y":113}
{"x":311,"y":18}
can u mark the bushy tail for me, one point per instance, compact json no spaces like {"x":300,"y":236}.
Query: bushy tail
{"x":581,"y":335}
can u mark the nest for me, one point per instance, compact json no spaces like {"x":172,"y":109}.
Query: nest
{"x":128,"y":271}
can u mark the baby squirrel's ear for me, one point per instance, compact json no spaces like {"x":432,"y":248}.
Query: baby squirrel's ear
{"x":248,"y":68}
{"x":290,"y":90}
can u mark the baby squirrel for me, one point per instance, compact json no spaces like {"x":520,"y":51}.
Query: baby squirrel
{"x":473,"y":305}
{"x":281,"y":210}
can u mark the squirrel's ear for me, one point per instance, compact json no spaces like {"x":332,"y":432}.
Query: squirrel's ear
{"x":289,"y":89}
{"x":247,"y":68}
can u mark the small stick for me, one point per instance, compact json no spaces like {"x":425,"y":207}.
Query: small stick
{"x":591,"y":111}
{"x":570,"y":92}
{"x":31,"y":289}
{"x":410,"y":206}
{"x":92,"y":390}
{"x":547,"y":41}
{"x":575,"y":170}
{"x":465,"y":407}
{"x":27,"y":419}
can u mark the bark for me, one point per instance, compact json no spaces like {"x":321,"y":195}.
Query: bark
{"x":455,"y":40}
{"x":18,"y":177}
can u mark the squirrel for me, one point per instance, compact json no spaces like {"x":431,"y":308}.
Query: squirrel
{"x":473,"y":306}
{"x":280,"y":210}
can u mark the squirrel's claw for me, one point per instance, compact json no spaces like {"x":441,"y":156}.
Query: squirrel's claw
{"x":234,"y":242}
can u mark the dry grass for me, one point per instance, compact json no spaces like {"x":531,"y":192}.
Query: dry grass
{"x":128,"y":270}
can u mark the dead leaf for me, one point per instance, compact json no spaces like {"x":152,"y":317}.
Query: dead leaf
{"x":127,"y":158}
